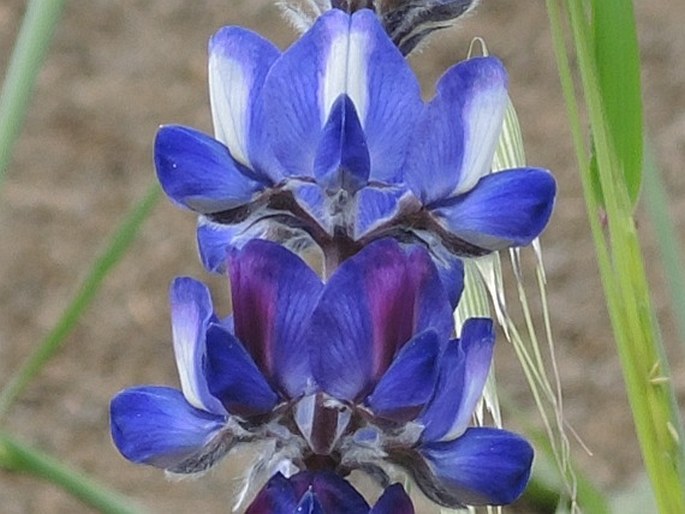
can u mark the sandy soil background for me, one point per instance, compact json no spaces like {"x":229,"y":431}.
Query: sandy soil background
{"x":119,"y":69}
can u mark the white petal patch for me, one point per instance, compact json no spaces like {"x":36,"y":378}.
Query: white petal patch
{"x":483,"y":119}
{"x":188,"y":324}
{"x":229,"y":92}
{"x":186,"y":321}
{"x":345,"y":71}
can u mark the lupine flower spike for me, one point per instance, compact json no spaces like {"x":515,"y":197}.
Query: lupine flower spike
{"x":357,"y":373}
{"x":329,"y":143}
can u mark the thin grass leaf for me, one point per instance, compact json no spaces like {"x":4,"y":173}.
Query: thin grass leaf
{"x":643,"y":360}
{"x":618,"y":76}
{"x":31,"y":46}
{"x":119,"y":243}
{"x":484,"y":286}
{"x":18,"y":457}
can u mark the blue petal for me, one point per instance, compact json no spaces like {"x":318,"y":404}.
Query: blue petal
{"x":342,"y":158}
{"x":364,"y":316}
{"x":311,"y":198}
{"x":508,"y":208}
{"x":334,"y":494}
{"x":464,"y":368}
{"x":199,"y":172}
{"x":233,"y":376}
{"x":455,"y":139}
{"x":451,"y":271}
{"x":486,"y":466}
{"x":377,"y":206}
{"x":157,"y":426}
{"x":409,"y":382}
{"x":274,"y":293}
{"x":292,"y":94}
{"x":191,"y":313}
{"x":276,"y":497}
{"x":393,"y":97}
{"x":372,"y":305}
{"x":214,"y":241}
{"x":394,"y":500}
{"x":350,"y":55}
{"x":238,"y":63}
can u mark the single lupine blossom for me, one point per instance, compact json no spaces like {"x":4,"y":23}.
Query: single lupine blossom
{"x":324,"y":492}
{"x":361,"y":372}
{"x":330,"y":143}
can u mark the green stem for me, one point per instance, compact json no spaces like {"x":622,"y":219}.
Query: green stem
{"x":32,"y":43}
{"x":643,"y":359}
{"x":20,"y":458}
{"x":119,"y":243}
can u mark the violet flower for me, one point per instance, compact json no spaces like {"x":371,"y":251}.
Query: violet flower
{"x":324,"y":492}
{"x":357,"y":373}
{"x":330,"y":143}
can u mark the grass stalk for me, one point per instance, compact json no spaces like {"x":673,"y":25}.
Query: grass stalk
{"x":32,"y":43}
{"x":118,"y":244}
{"x":640,"y":350}
{"x":18,"y":457}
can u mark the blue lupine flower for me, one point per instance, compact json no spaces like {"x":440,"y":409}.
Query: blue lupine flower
{"x":356,"y":373}
{"x":324,"y":492}
{"x":330,"y":143}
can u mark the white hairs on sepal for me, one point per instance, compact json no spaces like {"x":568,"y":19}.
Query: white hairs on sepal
{"x":303,"y":13}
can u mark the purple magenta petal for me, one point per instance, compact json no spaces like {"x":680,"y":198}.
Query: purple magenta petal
{"x":455,"y":139}
{"x":485,"y":466}
{"x":342,"y":157}
{"x":274,"y":293}
{"x":409,"y":382}
{"x":309,"y":504}
{"x":238,"y":63}
{"x":464,"y":367}
{"x":157,"y":426}
{"x":233,"y":376}
{"x":508,"y":208}
{"x":199,"y":172}
{"x":276,"y":497}
{"x":432,"y":308}
{"x":334,"y":494}
{"x":365,"y":315}
{"x":372,"y":305}
{"x":191,"y":313}
{"x":394,"y":500}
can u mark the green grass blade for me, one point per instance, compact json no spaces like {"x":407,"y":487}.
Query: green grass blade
{"x":643,"y":360}
{"x":618,"y":76}
{"x":656,"y":203}
{"x":17,"y":457}
{"x":119,"y":243}
{"x":32,"y":43}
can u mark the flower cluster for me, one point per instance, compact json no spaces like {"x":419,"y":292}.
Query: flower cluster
{"x":329,"y":145}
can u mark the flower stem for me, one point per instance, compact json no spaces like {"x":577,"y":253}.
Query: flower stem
{"x":17,"y":457}
{"x":32,"y":43}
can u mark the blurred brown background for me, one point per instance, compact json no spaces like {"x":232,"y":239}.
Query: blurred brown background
{"x":119,"y":69}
